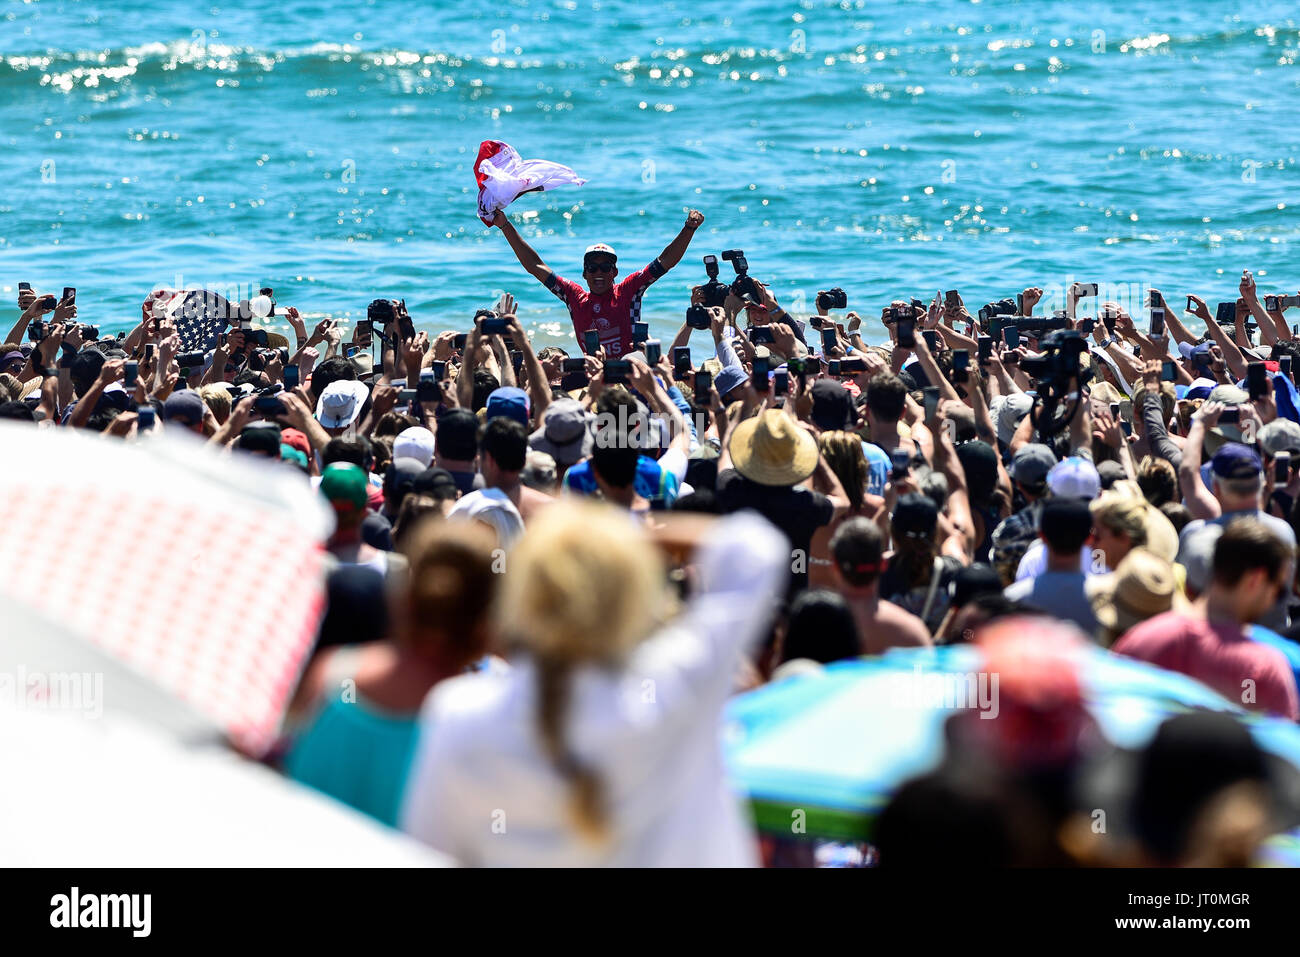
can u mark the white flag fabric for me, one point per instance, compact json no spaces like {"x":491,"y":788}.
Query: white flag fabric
{"x":502,"y":176}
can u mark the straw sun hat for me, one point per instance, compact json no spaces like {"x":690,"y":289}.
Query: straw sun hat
{"x":1143,"y":586}
{"x":773,"y":449}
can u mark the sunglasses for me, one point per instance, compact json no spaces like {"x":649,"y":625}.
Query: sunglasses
{"x":601,"y":267}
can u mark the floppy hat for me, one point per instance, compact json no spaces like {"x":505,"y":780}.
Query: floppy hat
{"x":340,"y":404}
{"x":564,"y":433}
{"x":773,"y":449}
{"x":1142,"y":586}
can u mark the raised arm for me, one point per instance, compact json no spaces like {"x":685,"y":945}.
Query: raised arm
{"x":675,"y":250}
{"x":525,"y":253}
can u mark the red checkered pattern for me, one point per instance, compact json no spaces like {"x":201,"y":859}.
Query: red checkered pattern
{"x":219,"y":609}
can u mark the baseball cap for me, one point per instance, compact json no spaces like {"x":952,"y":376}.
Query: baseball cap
{"x":184,"y":406}
{"x":340,"y":404}
{"x":1074,"y":477}
{"x":297,"y":440}
{"x":260,"y":437}
{"x":600,"y":249}
{"x":9,"y":357}
{"x":436,"y":483}
{"x":1007,"y":412}
{"x":414,"y":443}
{"x":510,"y":402}
{"x":401,"y":476}
{"x":1236,"y":461}
{"x":728,"y":378}
{"x":344,"y":485}
{"x":831,"y":405}
{"x":915,"y":516}
{"x":1200,"y":388}
{"x":290,"y":454}
{"x":1030,"y":465}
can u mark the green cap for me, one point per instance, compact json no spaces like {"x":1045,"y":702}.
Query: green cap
{"x":344,"y":483}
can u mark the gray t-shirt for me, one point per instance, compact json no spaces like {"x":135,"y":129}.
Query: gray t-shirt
{"x":1060,"y":594}
{"x":1196,"y":554}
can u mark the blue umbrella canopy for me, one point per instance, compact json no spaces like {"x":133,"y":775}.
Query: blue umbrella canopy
{"x":830,"y":749}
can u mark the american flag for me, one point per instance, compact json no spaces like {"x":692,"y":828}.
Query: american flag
{"x":201,"y":574}
{"x":199,"y":315}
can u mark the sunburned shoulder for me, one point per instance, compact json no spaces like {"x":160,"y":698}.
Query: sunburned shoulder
{"x":906,"y":629}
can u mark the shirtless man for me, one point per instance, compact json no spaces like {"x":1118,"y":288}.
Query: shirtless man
{"x":857,"y":553}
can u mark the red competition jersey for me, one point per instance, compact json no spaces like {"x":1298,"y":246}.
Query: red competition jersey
{"x":612,"y":314}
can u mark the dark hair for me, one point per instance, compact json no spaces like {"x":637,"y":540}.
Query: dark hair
{"x":394,"y":423}
{"x":1178,"y":514}
{"x":354,"y":449}
{"x":1248,"y":545}
{"x":858,"y":549}
{"x":85,"y":370}
{"x":506,"y":441}
{"x":989,"y":607}
{"x":886,"y":396}
{"x":616,"y":462}
{"x":457,"y":435}
{"x":249,"y":377}
{"x":1065,"y":525}
{"x":101,"y":418}
{"x":331,"y":370}
{"x":485,"y":383}
{"x":821,"y":627}
{"x":16,"y":410}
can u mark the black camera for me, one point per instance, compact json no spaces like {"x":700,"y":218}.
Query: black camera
{"x":492,"y":324}
{"x":190,"y":360}
{"x":268,"y":405}
{"x":1059,"y":362}
{"x":381,"y":312}
{"x":37,"y":330}
{"x":715,"y":292}
{"x":1002,"y":307}
{"x":89,"y":333}
{"x":834,"y":298}
{"x":697,"y":317}
{"x":743,"y":285}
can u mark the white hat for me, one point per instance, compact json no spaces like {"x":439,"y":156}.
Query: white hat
{"x":603,"y":248}
{"x":340,"y":404}
{"x":414,"y":443}
{"x":493,"y":507}
{"x":1074,"y":477}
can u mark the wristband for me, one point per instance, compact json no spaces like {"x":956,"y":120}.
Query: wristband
{"x":50,"y":372}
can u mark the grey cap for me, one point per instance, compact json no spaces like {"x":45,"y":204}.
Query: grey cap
{"x":1280,"y":435}
{"x":1031,"y":464}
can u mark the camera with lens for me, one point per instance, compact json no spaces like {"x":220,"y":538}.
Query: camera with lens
{"x":743,"y":285}
{"x":1036,"y":327}
{"x":715,"y":291}
{"x":381,"y":311}
{"x":1003,"y":307}
{"x":697,"y":317}
{"x":1059,"y":362}
{"x":835,"y":298}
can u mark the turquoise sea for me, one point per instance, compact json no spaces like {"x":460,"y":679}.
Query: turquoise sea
{"x":890,"y":148}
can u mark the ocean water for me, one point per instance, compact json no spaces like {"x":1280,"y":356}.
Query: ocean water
{"x":892,"y":149}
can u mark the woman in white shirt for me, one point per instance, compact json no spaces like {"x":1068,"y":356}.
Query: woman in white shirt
{"x":600,"y":746}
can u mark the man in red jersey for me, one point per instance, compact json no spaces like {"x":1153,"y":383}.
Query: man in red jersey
{"x":608,"y":307}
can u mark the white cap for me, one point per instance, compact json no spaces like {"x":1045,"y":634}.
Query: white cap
{"x":604,"y":248}
{"x":414,"y":443}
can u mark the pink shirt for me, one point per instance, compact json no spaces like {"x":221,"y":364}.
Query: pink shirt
{"x":1218,"y":655}
{"x":612,"y":314}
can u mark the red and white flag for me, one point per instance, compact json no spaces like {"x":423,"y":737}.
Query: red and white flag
{"x":502,"y":176}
